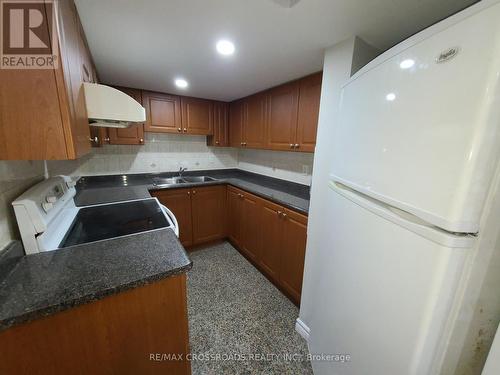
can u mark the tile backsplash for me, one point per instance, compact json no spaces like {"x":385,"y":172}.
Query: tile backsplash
{"x":168,"y":152}
{"x":15,"y":178}
{"x":291,"y":166}
{"x":161,"y":152}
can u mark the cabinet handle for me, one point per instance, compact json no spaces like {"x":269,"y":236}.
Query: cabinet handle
{"x":95,"y":139}
{"x":216,"y":142}
{"x":189,"y":193}
{"x":141,"y":140}
{"x":106,"y":139}
{"x":291,"y":145}
{"x":297,"y":145}
{"x":280,"y":213}
{"x":283,"y":215}
{"x":244,"y":143}
{"x":241,"y":143}
{"x":185,"y":130}
{"x":179,"y":129}
{"x":194,"y":192}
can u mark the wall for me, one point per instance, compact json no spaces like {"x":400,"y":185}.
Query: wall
{"x":337,"y":68}
{"x":291,"y":166}
{"x":160,"y":153}
{"x":15,"y":178}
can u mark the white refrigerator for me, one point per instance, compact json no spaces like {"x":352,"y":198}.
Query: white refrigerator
{"x":415,"y":155}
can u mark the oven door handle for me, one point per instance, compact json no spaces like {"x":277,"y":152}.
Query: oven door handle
{"x":171,"y":218}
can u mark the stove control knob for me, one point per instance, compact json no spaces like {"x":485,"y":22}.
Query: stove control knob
{"x":50,"y":199}
{"x":70,"y":184}
{"x":47,"y":206}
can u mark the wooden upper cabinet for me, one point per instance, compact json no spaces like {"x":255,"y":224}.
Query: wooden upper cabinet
{"x":77,"y":67}
{"x":307,"y":120}
{"x":179,"y":202}
{"x":236,"y":123}
{"x":163,"y":112}
{"x":42,"y":111}
{"x":282,"y":116}
{"x":254,"y":121}
{"x":197,"y":116}
{"x":134,"y":134}
{"x":220,"y":123}
{"x":209,"y":213}
{"x":293,"y":253}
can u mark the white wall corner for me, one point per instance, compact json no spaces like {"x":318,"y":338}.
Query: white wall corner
{"x":302,"y":329}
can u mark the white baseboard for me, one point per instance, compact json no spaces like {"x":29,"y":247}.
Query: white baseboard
{"x":302,"y":329}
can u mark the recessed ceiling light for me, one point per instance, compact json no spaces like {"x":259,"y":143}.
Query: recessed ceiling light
{"x":225,"y":47}
{"x":390,"y":97}
{"x":181,"y":83}
{"x":406,"y":64}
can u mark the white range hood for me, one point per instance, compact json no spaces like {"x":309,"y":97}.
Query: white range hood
{"x":111,"y":108}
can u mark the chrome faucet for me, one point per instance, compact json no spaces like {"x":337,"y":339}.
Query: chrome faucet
{"x":181,"y":171}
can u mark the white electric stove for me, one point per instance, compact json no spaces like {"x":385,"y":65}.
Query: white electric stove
{"x":48,"y":218}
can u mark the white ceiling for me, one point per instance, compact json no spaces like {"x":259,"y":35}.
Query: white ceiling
{"x":148,"y":43}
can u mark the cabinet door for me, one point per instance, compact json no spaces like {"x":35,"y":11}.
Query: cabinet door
{"x":254,"y":121}
{"x":134,"y":134}
{"x":209,"y":213}
{"x":251,"y":225}
{"x":163,"y":112}
{"x":220,"y":123}
{"x":294,"y":249}
{"x":234,"y":215}
{"x":179,"y":202}
{"x":307,"y":120}
{"x":76,"y":67}
{"x":235,"y":124}
{"x":272,"y":238}
{"x":197,"y":116}
{"x":282,"y":116}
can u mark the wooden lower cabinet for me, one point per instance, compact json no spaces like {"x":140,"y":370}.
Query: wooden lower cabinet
{"x":115,"y":335}
{"x":251,"y":241}
{"x":293,"y":252}
{"x":270,"y":236}
{"x":179,"y":202}
{"x":272,"y":239}
{"x":208,"y":206}
{"x":200,"y":212}
{"x":234,"y":215}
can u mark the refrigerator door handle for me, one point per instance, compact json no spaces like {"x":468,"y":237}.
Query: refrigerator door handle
{"x":403,"y":218}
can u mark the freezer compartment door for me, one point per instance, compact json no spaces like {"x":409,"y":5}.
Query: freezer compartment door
{"x":384,"y":293}
{"x":419,"y":127}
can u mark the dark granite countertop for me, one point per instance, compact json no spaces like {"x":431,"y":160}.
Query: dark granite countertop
{"x":114,"y":188}
{"x":41,"y":284}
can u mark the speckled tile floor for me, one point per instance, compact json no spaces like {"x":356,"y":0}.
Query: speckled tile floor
{"x":236,"y":313}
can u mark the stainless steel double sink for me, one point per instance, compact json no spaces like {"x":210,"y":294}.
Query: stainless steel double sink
{"x":167,"y":181}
